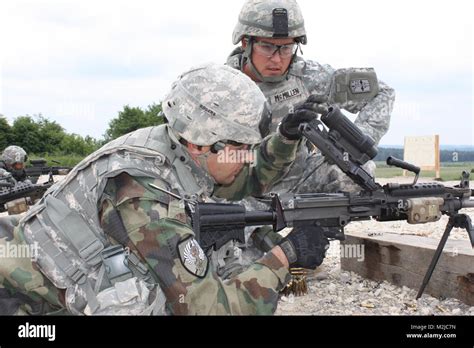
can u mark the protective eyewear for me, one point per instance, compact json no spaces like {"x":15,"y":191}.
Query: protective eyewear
{"x":268,"y":50}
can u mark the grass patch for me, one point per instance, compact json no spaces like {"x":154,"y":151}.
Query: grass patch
{"x":449,"y":171}
{"x":64,"y":160}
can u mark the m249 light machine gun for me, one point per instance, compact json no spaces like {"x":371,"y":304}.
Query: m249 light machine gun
{"x":343,"y":144}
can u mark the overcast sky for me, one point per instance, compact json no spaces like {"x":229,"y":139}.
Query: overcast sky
{"x":80,"y":62}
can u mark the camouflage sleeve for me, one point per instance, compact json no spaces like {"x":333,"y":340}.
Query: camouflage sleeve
{"x":273,"y":159}
{"x":373,"y":117}
{"x":23,"y":288}
{"x":157,"y":229}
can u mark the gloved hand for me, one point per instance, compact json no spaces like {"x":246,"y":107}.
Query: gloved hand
{"x":305,"y":113}
{"x":7,"y":178}
{"x":305,"y":246}
{"x":264,"y":238}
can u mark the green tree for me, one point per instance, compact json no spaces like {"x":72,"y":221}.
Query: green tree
{"x":5,"y":131}
{"x":153,"y":115}
{"x":133,"y":118}
{"x":25,"y":132}
{"x":51,"y":135}
{"x":75,"y":144}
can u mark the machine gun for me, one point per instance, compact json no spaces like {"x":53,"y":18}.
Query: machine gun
{"x":15,"y":198}
{"x":39,"y":168}
{"x":345,"y":145}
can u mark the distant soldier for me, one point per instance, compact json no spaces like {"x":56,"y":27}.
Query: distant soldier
{"x":14,"y":161}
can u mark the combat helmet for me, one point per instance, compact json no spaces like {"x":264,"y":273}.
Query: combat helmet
{"x":14,"y":154}
{"x":215,"y":103}
{"x":272,"y":19}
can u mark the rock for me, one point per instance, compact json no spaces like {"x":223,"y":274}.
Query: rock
{"x":394,"y":310}
{"x":284,"y":299}
{"x":345,"y":278}
{"x":378,"y":292}
{"x":348,"y":299}
{"x":322,"y":276}
{"x":331,"y":288}
{"x":456,"y":311}
{"x":425,"y":311}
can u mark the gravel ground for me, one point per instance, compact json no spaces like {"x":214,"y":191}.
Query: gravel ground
{"x":335,"y":292}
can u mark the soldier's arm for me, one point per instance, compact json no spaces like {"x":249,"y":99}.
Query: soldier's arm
{"x":157,"y":229}
{"x":374,"y":115}
{"x":23,"y":288}
{"x":274,"y":157}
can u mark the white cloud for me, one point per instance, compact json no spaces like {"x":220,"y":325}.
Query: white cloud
{"x":84,"y":60}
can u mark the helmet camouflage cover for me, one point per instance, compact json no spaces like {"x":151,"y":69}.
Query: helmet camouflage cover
{"x":270,"y":18}
{"x":14,"y":154}
{"x":213,"y":103}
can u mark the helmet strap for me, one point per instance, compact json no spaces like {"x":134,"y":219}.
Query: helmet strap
{"x":202,"y":160}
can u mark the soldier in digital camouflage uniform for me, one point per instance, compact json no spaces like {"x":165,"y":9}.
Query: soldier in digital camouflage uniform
{"x":270,"y":33}
{"x":13,"y":161}
{"x":114,"y":237}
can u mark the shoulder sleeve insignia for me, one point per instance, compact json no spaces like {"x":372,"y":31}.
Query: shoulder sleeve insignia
{"x":193,"y":257}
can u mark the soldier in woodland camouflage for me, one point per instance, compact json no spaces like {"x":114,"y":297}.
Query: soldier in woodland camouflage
{"x":114,"y":236}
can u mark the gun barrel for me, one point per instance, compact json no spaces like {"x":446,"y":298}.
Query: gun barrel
{"x":468,"y":203}
{"x":246,"y":219}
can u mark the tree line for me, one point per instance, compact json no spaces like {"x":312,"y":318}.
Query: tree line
{"x":39,"y":135}
{"x":446,"y":156}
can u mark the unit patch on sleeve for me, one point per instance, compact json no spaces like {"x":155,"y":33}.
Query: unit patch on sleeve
{"x":193,"y":257}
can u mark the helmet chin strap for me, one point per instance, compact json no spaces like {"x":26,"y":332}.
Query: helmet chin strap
{"x":247,"y":59}
{"x":202,"y":160}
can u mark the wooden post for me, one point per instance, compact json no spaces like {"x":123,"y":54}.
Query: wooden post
{"x":437,"y":157}
{"x":404,"y":259}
